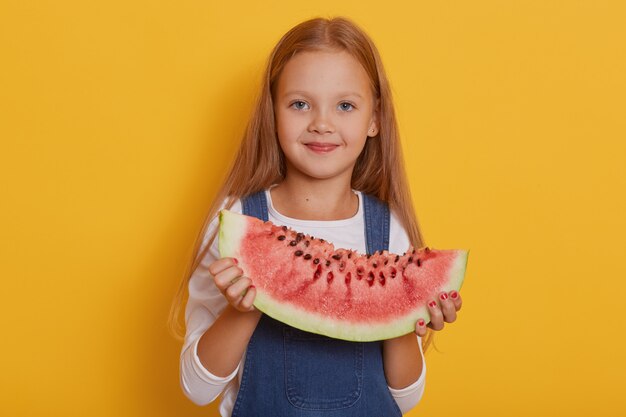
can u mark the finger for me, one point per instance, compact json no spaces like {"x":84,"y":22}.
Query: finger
{"x":227,"y":277}
{"x":436,"y":316}
{"x":447,"y":308}
{"x":235,"y":291}
{"x":248,"y":299}
{"x":420,"y":328}
{"x":455,"y":296}
{"x":221,"y":264}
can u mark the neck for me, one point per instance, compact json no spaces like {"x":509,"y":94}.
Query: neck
{"x":307,"y":198}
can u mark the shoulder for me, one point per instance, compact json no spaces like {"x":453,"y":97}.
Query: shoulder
{"x":398,"y":237}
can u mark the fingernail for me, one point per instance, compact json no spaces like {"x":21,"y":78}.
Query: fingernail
{"x":444,"y":296}
{"x":420,"y":322}
{"x":432,"y":304}
{"x":454,"y":294}
{"x":236,"y":261}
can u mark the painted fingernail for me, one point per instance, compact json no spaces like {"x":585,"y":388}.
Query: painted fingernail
{"x":444,"y":296}
{"x":454,"y":294}
{"x":420,"y":322}
{"x":432,"y":304}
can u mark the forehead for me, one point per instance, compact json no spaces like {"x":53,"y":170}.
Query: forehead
{"x":323,"y":72}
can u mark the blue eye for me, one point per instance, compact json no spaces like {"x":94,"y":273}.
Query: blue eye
{"x":344,"y":104}
{"x":297,"y":104}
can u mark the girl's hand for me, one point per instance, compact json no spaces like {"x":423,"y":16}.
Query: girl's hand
{"x":236,"y":288}
{"x":442,"y":311}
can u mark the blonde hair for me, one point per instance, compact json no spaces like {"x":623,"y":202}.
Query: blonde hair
{"x":260,"y":162}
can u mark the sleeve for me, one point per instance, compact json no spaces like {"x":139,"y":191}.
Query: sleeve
{"x":407,"y":397}
{"x":204,"y":305}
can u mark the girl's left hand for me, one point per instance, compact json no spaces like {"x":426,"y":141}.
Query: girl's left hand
{"x":442,"y":310}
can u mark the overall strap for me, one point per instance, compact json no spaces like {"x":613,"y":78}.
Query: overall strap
{"x":255,"y":205}
{"x":377,"y":219}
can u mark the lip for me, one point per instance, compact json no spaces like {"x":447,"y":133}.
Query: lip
{"x":320,"y":147}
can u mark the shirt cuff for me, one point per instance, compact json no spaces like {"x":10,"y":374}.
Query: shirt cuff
{"x":403,"y":392}
{"x":204,"y":373}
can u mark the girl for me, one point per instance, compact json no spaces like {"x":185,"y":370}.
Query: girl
{"x":321,"y":149}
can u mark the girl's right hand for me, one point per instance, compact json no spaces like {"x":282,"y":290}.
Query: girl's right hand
{"x":237,"y":289}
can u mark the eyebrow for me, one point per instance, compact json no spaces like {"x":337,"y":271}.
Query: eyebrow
{"x":304,"y":93}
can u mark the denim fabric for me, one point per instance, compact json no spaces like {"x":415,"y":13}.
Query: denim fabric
{"x":290,"y":372}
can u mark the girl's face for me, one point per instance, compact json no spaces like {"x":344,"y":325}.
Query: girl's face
{"x":325,"y":111}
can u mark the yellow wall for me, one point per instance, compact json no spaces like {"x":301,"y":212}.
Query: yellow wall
{"x":117,"y":120}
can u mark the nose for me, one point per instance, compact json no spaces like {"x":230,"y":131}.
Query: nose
{"x":321,"y":122}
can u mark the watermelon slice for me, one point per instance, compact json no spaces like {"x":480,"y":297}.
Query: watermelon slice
{"x":308,"y":284}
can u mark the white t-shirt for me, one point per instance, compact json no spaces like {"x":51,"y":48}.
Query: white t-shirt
{"x":206,"y":303}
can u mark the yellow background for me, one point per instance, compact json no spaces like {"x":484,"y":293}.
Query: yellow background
{"x":118,"y":119}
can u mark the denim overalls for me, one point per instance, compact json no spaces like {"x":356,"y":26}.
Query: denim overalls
{"x":290,"y":372}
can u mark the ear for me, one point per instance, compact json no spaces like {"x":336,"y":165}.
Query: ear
{"x":374,"y":124}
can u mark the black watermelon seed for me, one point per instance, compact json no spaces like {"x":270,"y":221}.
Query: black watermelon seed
{"x":281,"y":237}
{"x":316,"y":261}
{"x":284,"y":228}
{"x":299,"y":237}
{"x":410,"y":259}
{"x":322,"y":241}
{"x":298,"y":253}
{"x":374,"y":264}
{"x":369,"y":255}
{"x":349,"y":255}
{"x":307,"y":243}
{"x":336,"y":257}
{"x":327,"y":263}
{"x":293,"y":243}
{"x":307,"y":256}
{"x":397,"y":258}
{"x":419,"y":262}
{"x":386,"y":261}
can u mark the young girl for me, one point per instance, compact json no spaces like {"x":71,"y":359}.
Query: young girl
{"x":321,"y":155}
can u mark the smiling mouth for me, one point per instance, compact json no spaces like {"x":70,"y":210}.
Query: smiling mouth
{"x":321,"y":147}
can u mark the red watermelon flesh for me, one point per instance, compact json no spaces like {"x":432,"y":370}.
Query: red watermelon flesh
{"x":308,"y":284}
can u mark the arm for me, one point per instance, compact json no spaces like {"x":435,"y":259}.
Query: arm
{"x":403,"y":362}
{"x":222,"y":346}
{"x":217,"y":333}
{"x":211,"y":355}
{"x":402,"y":359}
{"x":405,"y":370}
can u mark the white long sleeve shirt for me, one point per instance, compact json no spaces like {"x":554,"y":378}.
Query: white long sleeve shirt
{"x":206,"y":303}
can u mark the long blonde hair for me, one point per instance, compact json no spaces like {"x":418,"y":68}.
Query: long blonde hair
{"x":260,"y":162}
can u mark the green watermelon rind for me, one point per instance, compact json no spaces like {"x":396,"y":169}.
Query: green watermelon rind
{"x":315,"y":323}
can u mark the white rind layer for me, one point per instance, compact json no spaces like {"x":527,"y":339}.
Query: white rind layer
{"x":236,"y":225}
